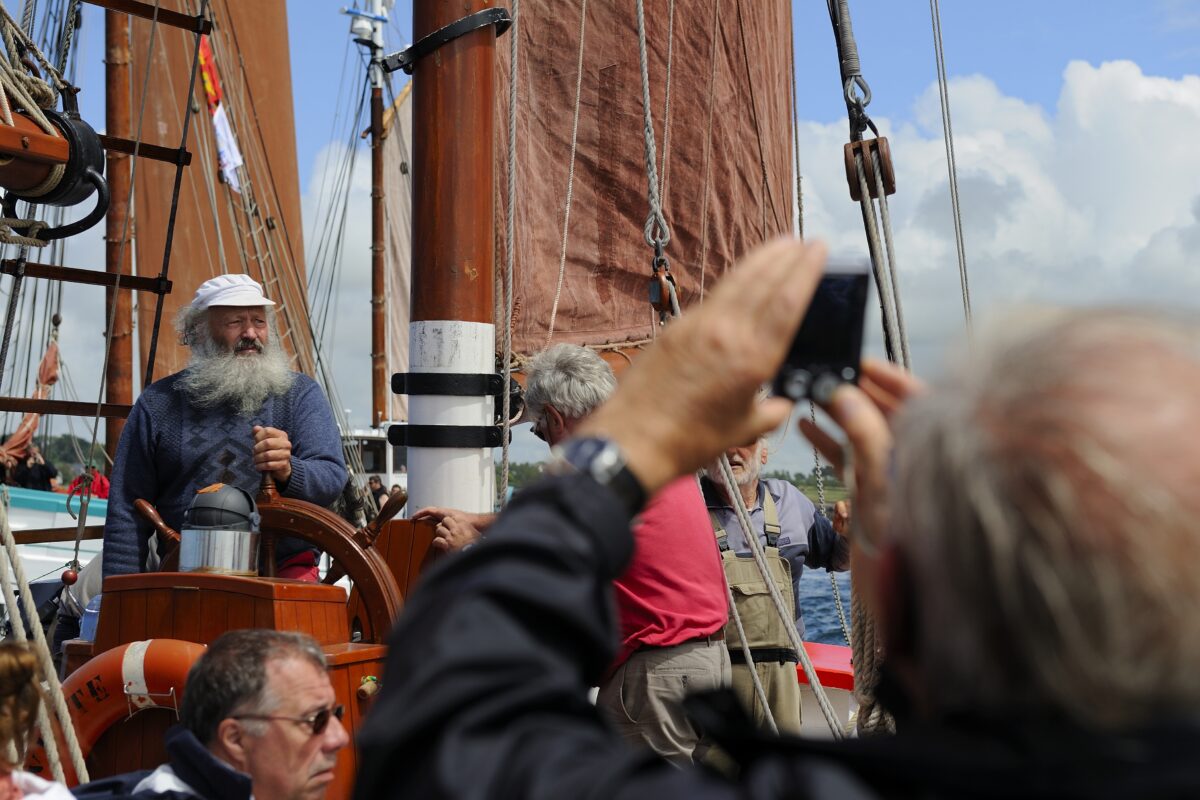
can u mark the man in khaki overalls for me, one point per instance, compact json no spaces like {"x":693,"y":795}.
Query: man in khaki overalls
{"x":793,"y":535}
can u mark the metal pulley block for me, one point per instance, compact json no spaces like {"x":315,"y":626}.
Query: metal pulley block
{"x":866,"y":150}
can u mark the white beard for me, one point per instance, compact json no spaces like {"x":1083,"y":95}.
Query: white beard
{"x":217,"y":377}
{"x":751,"y":469}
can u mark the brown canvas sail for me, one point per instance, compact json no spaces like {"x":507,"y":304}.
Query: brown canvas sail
{"x":724,"y":156}
{"x":397,"y":196}
{"x":257,"y":230}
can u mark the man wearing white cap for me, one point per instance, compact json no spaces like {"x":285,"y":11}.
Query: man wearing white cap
{"x":235,"y":412}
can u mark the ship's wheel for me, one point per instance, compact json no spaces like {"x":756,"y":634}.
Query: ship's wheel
{"x":377,"y":598}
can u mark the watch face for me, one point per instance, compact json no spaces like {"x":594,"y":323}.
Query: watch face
{"x":603,"y":461}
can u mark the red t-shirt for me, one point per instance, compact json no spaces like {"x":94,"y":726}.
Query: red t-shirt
{"x":674,"y":588}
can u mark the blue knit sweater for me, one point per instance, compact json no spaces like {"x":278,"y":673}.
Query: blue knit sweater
{"x":169,"y":449}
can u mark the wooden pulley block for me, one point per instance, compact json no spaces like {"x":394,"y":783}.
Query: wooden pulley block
{"x":660,"y":291}
{"x":866,"y":150}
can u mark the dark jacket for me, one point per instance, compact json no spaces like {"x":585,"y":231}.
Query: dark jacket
{"x":34,"y":476}
{"x":486,"y":697}
{"x":206,"y":775}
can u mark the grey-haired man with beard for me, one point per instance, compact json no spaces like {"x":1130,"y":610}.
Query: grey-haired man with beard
{"x":793,"y":535}
{"x":235,"y":412}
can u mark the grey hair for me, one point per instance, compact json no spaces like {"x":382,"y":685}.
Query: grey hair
{"x":1046,"y":502}
{"x":573,"y":379}
{"x":231,"y":678}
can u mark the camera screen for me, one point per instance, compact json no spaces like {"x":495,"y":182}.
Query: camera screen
{"x":828,"y":346}
{"x":830,"y":337}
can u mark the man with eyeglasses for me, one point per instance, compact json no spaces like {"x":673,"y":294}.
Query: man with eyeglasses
{"x":259,"y":718}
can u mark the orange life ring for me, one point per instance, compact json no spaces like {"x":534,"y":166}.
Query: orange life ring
{"x":114,"y":686}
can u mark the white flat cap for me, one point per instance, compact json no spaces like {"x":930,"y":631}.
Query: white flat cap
{"x":230,"y":290}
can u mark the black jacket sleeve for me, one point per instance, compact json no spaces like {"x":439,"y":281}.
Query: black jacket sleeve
{"x":485,"y":692}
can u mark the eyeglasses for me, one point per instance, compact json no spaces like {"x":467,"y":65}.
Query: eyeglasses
{"x":317,"y":721}
{"x":537,"y":428}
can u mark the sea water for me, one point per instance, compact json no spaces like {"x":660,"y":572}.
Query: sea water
{"x":821,"y":623}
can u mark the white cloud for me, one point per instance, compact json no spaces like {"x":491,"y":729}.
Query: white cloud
{"x":1097,"y":202}
{"x":348,"y":336}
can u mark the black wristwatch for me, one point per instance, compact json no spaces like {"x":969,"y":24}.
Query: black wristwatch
{"x":602,"y":461}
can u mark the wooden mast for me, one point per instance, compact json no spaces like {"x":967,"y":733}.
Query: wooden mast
{"x":118,"y":386}
{"x":453,"y":250}
{"x":379,"y":376}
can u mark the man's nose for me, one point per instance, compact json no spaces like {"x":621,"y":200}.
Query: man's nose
{"x":336,"y":736}
{"x":249,"y":331}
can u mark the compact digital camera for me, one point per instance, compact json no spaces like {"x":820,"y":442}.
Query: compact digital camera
{"x":828,"y":347}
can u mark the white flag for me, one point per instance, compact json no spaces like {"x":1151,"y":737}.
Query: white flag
{"x":229,"y":157}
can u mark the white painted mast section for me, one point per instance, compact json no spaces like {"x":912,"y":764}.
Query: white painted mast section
{"x":463,"y":478}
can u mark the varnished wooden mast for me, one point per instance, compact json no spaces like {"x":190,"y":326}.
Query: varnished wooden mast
{"x":453,"y":249}
{"x":379,"y":376}
{"x":118,"y":385}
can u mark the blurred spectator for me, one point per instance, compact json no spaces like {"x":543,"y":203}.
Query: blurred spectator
{"x":99,"y":484}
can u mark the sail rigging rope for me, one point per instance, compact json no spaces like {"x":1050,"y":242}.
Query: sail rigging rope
{"x":736,"y":619}
{"x":812,"y":408}
{"x":562,"y":257}
{"x":28,"y":9}
{"x":160,"y":298}
{"x":40,"y":649}
{"x":820,"y":478}
{"x":951,"y":165}
{"x":857,"y":94}
{"x":796,"y":133}
{"x":789,"y":625}
{"x":32,"y":93}
{"x":665,"y":161}
{"x":69,"y":24}
{"x":708,"y":130}
{"x":656,"y":230}
{"x":45,"y":728}
{"x":768,"y":198}
{"x":886,"y":218}
{"x":879,"y":266}
{"x":855,"y":90}
{"x":509,"y":251}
